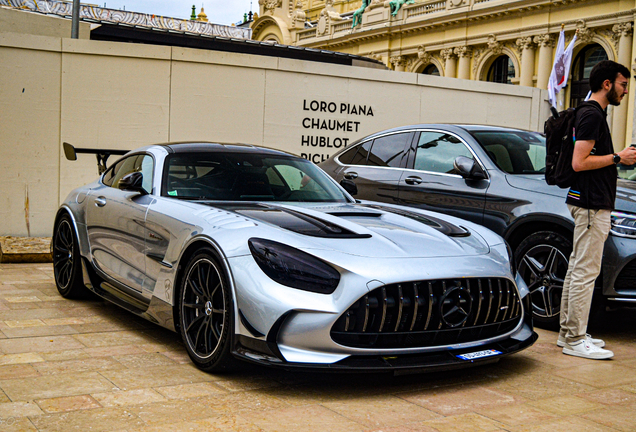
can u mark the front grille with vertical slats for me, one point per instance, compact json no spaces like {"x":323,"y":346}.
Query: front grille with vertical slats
{"x":430,"y":313}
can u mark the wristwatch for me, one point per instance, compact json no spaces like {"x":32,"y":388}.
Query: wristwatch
{"x":617,"y":159}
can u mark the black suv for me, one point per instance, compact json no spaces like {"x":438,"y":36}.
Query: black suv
{"x":493,"y":176}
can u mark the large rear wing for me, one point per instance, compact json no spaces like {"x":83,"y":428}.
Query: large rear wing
{"x":102,"y":154}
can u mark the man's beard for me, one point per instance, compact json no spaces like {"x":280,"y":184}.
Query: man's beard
{"x":613,"y":97}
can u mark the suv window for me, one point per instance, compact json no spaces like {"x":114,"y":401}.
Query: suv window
{"x":514,"y":152}
{"x":388,"y":150}
{"x":357,"y":155}
{"x":347,"y":157}
{"x":437,"y":151}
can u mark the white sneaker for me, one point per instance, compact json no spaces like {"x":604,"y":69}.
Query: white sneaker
{"x":598,"y":342}
{"x":584,"y":348}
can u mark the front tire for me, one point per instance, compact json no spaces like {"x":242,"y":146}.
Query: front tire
{"x":66,"y":260}
{"x":205,"y":312}
{"x":542,"y":261}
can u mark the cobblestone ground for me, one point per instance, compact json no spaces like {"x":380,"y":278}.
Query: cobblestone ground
{"x":90,"y":366}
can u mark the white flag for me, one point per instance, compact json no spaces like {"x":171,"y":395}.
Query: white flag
{"x":561,"y":68}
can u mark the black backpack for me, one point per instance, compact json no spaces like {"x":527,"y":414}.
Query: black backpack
{"x":559,"y":147}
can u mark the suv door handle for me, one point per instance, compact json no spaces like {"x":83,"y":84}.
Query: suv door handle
{"x":100,"y":202}
{"x":351,"y":175}
{"x":413,"y":180}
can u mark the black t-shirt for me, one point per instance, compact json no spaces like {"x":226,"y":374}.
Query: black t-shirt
{"x":594,"y":189}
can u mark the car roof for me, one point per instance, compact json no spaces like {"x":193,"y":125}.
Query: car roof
{"x":450,"y":127}
{"x":216,"y":147}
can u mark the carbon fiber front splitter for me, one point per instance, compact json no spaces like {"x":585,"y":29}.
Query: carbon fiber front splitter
{"x":400,"y":364}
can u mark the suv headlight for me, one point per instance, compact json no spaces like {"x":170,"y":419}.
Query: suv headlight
{"x":293,"y":268}
{"x":623,"y":224}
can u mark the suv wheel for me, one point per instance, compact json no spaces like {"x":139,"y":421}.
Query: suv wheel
{"x":542,"y":261}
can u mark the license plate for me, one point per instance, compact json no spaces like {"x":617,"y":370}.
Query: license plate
{"x":478,"y":354}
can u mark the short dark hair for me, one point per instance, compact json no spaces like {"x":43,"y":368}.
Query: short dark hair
{"x":606,"y":70}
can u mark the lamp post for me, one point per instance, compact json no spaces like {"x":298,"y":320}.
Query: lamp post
{"x":75,"y":22}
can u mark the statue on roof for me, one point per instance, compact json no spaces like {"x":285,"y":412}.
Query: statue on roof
{"x":396,"y":5}
{"x":330,"y":12}
{"x":357,"y":15}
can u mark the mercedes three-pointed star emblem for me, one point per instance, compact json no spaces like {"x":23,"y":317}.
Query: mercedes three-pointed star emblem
{"x":455,"y":306}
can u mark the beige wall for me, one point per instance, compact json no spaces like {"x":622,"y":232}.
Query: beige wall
{"x":113,"y":95}
{"x":19,"y":21}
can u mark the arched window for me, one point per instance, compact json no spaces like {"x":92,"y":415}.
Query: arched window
{"x":431,"y":70}
{"x":583,"y":64}
{"x":502,"y":70}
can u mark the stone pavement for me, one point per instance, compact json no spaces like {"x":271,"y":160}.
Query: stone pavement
{"x":87,"y":365}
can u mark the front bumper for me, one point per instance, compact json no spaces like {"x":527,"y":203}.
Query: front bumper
{"x":403,"y":364}
{"x":619,"y":268}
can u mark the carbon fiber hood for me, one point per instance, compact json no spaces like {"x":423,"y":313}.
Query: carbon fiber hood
{"x":372,"y":230}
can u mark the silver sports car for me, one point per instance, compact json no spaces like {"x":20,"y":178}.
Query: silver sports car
{"x":254,"y":254}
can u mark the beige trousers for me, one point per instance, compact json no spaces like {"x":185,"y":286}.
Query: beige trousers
{"x":584,"y":268}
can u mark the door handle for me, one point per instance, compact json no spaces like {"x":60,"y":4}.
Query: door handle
{"x":100,"y":202}
{"x":351,"y":175}
{"x":413,"y":180}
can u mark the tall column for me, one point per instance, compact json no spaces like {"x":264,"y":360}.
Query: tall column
{"x":527,"y":61}
{"x":545,"y":43}
{"x":623,"y":33}
{"x":450,"y":65}
{"x":464,"y":53}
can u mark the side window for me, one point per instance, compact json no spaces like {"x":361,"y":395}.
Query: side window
{"x":387,"y":151}
{"x":136,"y":163}
{"x":147,"y":169}
{"x":360,"y":157}
{"x":436,"y":152}
{"x":347,"y":157}
{"x":129,"y":165}
{"x":109,"y":176}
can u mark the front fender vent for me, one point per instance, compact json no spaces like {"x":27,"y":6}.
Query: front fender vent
{"x":430,"y":313}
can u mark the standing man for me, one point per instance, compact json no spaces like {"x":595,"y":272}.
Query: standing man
{"x":591,"y":201}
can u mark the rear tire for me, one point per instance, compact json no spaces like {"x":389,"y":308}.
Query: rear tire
{"x":67,"y":268}
{"x":542,"y":261}
{"x":206,"y":313}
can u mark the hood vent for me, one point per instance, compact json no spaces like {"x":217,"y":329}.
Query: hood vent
{"x":440,"y":225}
{"x":295,"y":221}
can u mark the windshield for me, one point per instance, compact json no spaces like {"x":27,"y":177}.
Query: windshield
{"x":247,"y":177}
{"x":515,"y":152}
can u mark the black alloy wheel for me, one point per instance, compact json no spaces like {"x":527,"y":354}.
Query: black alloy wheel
{"x":205,"y":312}
{"x":542,"y":261}
{"x":66,"y":260}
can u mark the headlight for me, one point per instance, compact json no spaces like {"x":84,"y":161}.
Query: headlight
{"x":293,"y":268}
{"x":623,"y":224}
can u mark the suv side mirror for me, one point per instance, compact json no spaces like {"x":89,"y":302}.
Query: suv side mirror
{"x":349,"y":186}
{"x":468,"y":168}
{"x":133,"y":182}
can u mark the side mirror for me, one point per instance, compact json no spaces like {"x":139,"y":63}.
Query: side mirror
{"x":468,"y":168}
{"x":133,"y":182}
{"x":349,"y":186}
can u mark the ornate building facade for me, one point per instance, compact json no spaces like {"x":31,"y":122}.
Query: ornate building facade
{"x":505,"y":41}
